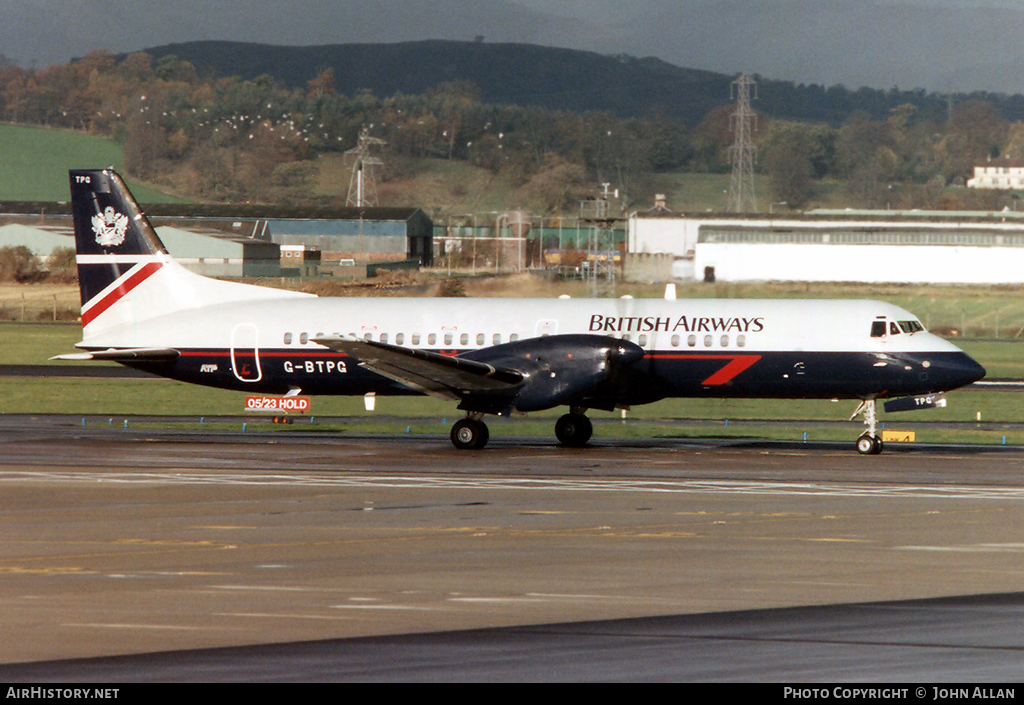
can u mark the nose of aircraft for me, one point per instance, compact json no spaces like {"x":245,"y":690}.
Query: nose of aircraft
{"x":957,"y":370}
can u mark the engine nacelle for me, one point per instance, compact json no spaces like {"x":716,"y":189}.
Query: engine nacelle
{"x":561,"y":368}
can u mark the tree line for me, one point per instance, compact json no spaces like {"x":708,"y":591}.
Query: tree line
{"x":19,"y":264}
{"x":220,"y":139}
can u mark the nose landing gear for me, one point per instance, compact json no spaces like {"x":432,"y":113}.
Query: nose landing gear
{"x":870,"y":443}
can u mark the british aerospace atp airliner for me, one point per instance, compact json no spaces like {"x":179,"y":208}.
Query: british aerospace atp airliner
{"x":490,"y":356}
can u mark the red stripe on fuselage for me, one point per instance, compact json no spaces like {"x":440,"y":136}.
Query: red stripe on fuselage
{"x":736,"y":365}
{"x":129,"y":282}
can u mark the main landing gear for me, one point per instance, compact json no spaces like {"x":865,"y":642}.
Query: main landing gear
{"x":870,"y":443}
{"x":573,"y":429}
{"x":470,"y":433}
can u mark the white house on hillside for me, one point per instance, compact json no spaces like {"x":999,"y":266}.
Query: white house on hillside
{"x":999,"y":173}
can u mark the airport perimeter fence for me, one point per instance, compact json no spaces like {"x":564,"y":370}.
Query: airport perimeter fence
{"x":41,"y":306}
{"x":988,"y":325}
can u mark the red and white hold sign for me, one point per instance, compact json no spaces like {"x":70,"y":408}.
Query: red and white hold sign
{"x":276,"y":404}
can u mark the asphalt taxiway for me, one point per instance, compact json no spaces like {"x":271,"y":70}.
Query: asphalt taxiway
{"x":174,"y":555}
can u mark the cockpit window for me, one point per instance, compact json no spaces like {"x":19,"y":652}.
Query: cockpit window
{"x":911,"y":326}
{"x":893,"y":328}
{"x":878,"y":329}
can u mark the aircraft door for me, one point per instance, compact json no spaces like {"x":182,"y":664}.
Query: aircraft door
{"x":245,"y":353}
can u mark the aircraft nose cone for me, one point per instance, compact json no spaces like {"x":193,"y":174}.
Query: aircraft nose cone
{"x":960,"y":371}
{"x":972,"y":370}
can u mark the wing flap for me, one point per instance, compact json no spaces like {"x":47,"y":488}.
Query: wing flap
{"x":426,"y":371}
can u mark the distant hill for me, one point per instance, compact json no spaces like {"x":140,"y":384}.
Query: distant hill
{"x":939,"y":45}
{"x":559,"y":79}
{"x":521,"y":74}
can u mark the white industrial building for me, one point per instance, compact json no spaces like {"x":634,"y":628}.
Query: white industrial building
{"x":837,"y":246}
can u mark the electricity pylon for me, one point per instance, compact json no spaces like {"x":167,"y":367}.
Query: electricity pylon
{"x":362,"y":185}
{"x":742,"y":197}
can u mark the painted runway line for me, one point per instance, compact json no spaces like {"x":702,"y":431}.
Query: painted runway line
{"x":440,"y":482}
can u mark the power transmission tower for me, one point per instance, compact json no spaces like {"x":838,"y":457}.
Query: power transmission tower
{"x":362,"y":185}
{"x":742,"y":197}
{"x":600,"y":264}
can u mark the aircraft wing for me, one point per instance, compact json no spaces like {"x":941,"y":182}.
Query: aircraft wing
{"x":123,"y":355}
{"x":432,"y":373}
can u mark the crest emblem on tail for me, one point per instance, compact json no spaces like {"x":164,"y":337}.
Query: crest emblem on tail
{"x":110,"y":227}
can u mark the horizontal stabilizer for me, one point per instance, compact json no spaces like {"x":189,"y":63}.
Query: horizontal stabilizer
{"x":429,"y":372}
{"x":123,"y":355}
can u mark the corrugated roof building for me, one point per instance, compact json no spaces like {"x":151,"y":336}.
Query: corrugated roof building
{"x":361,"y":234}
{"x":204,"y":254}
{"x":222,"y":257}
{"x":364,"y":234}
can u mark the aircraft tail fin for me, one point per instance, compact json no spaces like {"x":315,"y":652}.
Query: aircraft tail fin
{"x":125,"y":273}
{"x":114,"y":240}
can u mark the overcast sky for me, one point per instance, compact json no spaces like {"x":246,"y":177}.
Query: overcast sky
{"x":622,"y":8}
{"x":876,"y":43}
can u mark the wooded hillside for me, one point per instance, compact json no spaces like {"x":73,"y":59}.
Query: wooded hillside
{"x":218,"y":137}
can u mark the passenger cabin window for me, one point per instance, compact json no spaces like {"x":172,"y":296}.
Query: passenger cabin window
{"x":447,"y":338}
{"x":383,"y":337}
{"x":481,"y":338}
{"x":496,"y":339}
{"x":464,"y":339}
{"x":432,"y":339}
{"x":399,"y":338}
{"x":303,"y":338}
{"x":642,"y":341}
{"x":513,"y":338}
{"x":287,"y":338}
{"x":675,"y":341}
{"x":415,"y":338}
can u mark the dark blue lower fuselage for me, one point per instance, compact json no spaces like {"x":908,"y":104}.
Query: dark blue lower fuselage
{"x":660,"y":374}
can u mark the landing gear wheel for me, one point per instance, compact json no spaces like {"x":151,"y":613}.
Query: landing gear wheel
{"x":470,"y":434}
{"x":574,"y":430}
{"x":869,"y":445}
